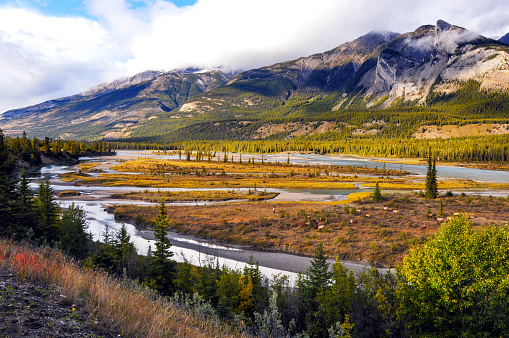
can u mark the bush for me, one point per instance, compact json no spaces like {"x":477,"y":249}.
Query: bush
{"x":457,"y":283}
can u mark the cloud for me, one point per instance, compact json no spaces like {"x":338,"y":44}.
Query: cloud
{"x":45,"y":57}
{"x":243,"y":34}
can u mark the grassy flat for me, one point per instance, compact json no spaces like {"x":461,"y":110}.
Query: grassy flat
{"x":378,"y":232}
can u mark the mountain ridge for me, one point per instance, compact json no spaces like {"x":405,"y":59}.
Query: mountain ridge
{"x":379,"y":70}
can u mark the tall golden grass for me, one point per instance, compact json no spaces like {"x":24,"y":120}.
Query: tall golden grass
{"x":135,"y":311}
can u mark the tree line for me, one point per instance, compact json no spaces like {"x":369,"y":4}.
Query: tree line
{"x":492,"y":148}
{"x":31,"y":150}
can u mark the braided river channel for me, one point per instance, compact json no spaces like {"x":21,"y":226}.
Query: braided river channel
{"x":95,"y":199}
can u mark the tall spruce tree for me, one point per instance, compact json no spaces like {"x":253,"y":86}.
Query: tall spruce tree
{"x":431,"y":177}
{"x":162,"y":270}
{"x":48,"y":214}
{"x":26,"y":217}
{"x":377,"y":194}
{"x":123,"y":247}
{"x":311,"y":287}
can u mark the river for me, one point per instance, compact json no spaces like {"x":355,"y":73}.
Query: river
{"x":198,"y":251}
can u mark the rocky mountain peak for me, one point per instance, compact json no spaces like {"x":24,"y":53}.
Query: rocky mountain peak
{"x":442,"y":25}
{"x":505,"y":39}
{"x":448,"y":37}
{"x":379,"y":36}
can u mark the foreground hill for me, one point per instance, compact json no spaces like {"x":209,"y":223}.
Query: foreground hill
{"x":381,"y":83}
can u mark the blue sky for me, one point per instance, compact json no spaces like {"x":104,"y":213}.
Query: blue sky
{"x":55,"y":48}
{"x":75,"y":7}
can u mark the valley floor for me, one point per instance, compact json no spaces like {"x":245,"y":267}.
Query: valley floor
{"x":355,"y":229}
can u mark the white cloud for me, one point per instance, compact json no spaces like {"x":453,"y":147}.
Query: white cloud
{"x":44,"y":57}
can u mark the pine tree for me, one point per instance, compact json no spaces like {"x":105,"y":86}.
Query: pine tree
{"x":431,"y":177}
{"x":73,"y":237}
{"x":434,"y":183}
{"x":123,"y":248}
{"x":318,"y":272}
{"x":7,"y":228}
{"x":317,"y":277}
{"x":312,"y":286}
{"x":48,"y":214}
{"x":377,"y":195}
{"x":252,"y":272}
{"x":26,"y":218}
{"x":162,"y":270}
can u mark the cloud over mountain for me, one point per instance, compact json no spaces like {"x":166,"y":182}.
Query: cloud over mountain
{"x":50,"y":56}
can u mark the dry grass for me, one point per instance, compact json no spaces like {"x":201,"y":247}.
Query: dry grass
{"x":193,"y":196}
{"x":358,"y":229}
{"x":177,"y":166}
{"x":453,"y":184}
{"x":213,"y":181}
{"x":88,"y":166}
{"x":136,"y":312}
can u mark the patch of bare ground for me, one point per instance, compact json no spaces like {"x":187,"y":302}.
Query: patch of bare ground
{"x":449,"y":131}
{"x":31,"y":309}
{"x":380,"y":233}
{"x":296,"y":129}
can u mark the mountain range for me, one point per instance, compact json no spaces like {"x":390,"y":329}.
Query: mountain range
{"x":439,"y":68}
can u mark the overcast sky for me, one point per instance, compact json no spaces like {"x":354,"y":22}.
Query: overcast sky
{"x":55,"y":48}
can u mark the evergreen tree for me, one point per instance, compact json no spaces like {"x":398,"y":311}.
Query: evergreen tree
{"x":124,"y":249}
{"x":7,"y":228}
{"x":48,"y":214}
{"x":162,"y":270}
{"x":106,"y":234}
{"x":318,"y":272}
{"x":26,"y":218}
{"x":252,"y":271}
{"x":337,"y":302}
{"x":73,"y":237}
{"x":311,"y":287}
{"x":377,"y":195}
{"x":431,"y":177}
{"x":104,"y":258}
{"x":434,"y":183}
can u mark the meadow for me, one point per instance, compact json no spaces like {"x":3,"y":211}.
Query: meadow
{"x":356,"y":229}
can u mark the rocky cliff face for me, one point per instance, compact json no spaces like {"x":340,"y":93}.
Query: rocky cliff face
{"x":269,"y":87}
{"x":435,"y":58}
{"x":326,"y":71}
